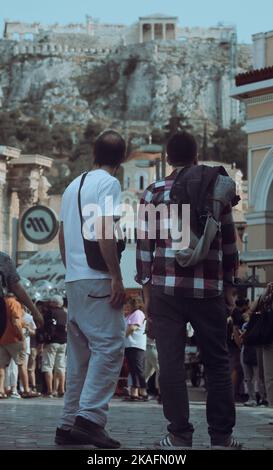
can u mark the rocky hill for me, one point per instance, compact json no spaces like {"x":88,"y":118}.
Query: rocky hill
{"x":130,"y":87}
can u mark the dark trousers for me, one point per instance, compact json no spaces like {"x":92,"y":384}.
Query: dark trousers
{"x":208,"y":318}
{"x":136,"y":364}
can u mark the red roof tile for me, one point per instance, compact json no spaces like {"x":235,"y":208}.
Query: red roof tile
{"x":253,"y":76}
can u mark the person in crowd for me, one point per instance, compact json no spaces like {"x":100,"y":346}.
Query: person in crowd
{"x":238,"y":318}
{"x":10,"y":282}
{"x":54,"y":350}
{"x":135,"y":347}
{"x":29,"y":330}
{"x":13,"y":346}
{"x":261,"y":395}
{"x":268,"y":353}
{"x":32,"y":361}
{"x":96,"y":326}
{"x":11,"y":380}
{"x":175,"y":295}
{"x":249,"y":363}
{"x":152,"y":364}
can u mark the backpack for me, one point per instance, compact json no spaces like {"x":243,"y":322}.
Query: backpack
{"x":49,"y":327}
{"x":207,"y":190}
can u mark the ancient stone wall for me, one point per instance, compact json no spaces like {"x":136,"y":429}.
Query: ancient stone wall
{"x":105,"y":35}
{"x":220,"y":33}
{"x":57,"y":49}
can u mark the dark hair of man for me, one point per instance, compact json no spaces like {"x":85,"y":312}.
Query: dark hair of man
{"x":181,"y":149}
{"x":109,"y":149}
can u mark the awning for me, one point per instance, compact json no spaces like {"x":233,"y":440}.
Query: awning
{"x":48,"y":266}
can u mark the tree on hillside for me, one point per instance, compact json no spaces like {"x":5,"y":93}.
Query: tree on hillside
{"x":177,"y":122}
{"x":61,"y":140}
{"x":83,"y":150}
{"x":35,"y":137}
{"x":8,"y":128}
{"x":230,"y":146}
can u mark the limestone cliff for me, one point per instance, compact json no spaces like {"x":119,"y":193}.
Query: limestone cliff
{"x":133,"y":86}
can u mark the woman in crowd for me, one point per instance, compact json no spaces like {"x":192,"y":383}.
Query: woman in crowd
{"x":249,"y":363}
{"x":135,"y":347}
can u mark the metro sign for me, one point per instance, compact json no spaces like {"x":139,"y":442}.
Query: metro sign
{"x":39,"y":224}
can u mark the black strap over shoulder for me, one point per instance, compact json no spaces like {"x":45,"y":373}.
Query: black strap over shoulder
{"x":79,"y":197}
{"x":93,"y":254}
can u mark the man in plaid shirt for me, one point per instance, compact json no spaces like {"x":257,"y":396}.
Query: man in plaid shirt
{"x":195,"y":294}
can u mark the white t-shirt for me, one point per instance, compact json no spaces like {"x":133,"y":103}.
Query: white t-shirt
{"x":28,"y":320}
{"x":98,"y":185}
{"x":138,"y":339}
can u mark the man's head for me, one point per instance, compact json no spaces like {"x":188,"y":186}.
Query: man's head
{"x":109,"y":149}
{"x":182,"y":149}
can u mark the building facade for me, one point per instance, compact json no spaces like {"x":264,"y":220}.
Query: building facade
{"x":22,"y":185}
{"x":255,"y":90}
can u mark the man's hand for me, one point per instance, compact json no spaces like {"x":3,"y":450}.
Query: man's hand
{"x":118,"y":296}
{"x":147,"y":297}
{"x":24,"y":298}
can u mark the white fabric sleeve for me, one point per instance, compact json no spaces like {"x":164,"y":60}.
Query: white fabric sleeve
{"x":109,"y":198}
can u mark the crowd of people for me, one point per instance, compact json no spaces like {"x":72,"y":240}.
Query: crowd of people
{"x":251,"y":365}
{"x":33,"y":359}
{"x":39,"y":369}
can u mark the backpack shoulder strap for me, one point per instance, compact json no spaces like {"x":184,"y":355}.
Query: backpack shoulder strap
{"x":79,"y":197}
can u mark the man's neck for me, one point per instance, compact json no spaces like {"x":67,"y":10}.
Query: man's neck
{"x":111,"y":170}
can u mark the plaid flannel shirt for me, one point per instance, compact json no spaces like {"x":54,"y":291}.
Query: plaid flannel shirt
{"x":156,"y":261}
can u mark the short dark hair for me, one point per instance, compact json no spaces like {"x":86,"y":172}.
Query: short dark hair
{"x":109,"y":149}
{"x":181,"y":148}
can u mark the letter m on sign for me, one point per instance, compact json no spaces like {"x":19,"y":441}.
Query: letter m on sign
{"x":38,"y":224}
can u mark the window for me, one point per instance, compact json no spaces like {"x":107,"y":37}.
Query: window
{"x":141,"y":183}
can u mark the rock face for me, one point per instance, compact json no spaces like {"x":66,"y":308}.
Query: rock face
{"x":136,"y":85}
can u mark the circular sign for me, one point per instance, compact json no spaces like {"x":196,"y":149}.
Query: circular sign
{"x":39,"y":224}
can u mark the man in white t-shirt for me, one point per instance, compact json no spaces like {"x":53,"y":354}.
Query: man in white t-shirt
{"x":96,"y":327}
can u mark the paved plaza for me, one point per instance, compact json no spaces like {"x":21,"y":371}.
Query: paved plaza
{"x":30,"y":424}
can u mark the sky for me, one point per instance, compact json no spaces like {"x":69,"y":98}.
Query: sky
{"x":250,"y":16}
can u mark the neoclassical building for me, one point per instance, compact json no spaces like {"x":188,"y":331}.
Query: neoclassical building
{"x":255,"y":90}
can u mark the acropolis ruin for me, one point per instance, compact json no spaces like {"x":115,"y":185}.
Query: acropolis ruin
{"x":147,"y":28}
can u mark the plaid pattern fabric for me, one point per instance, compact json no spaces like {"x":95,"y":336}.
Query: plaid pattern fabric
{"x":155,"y":258}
